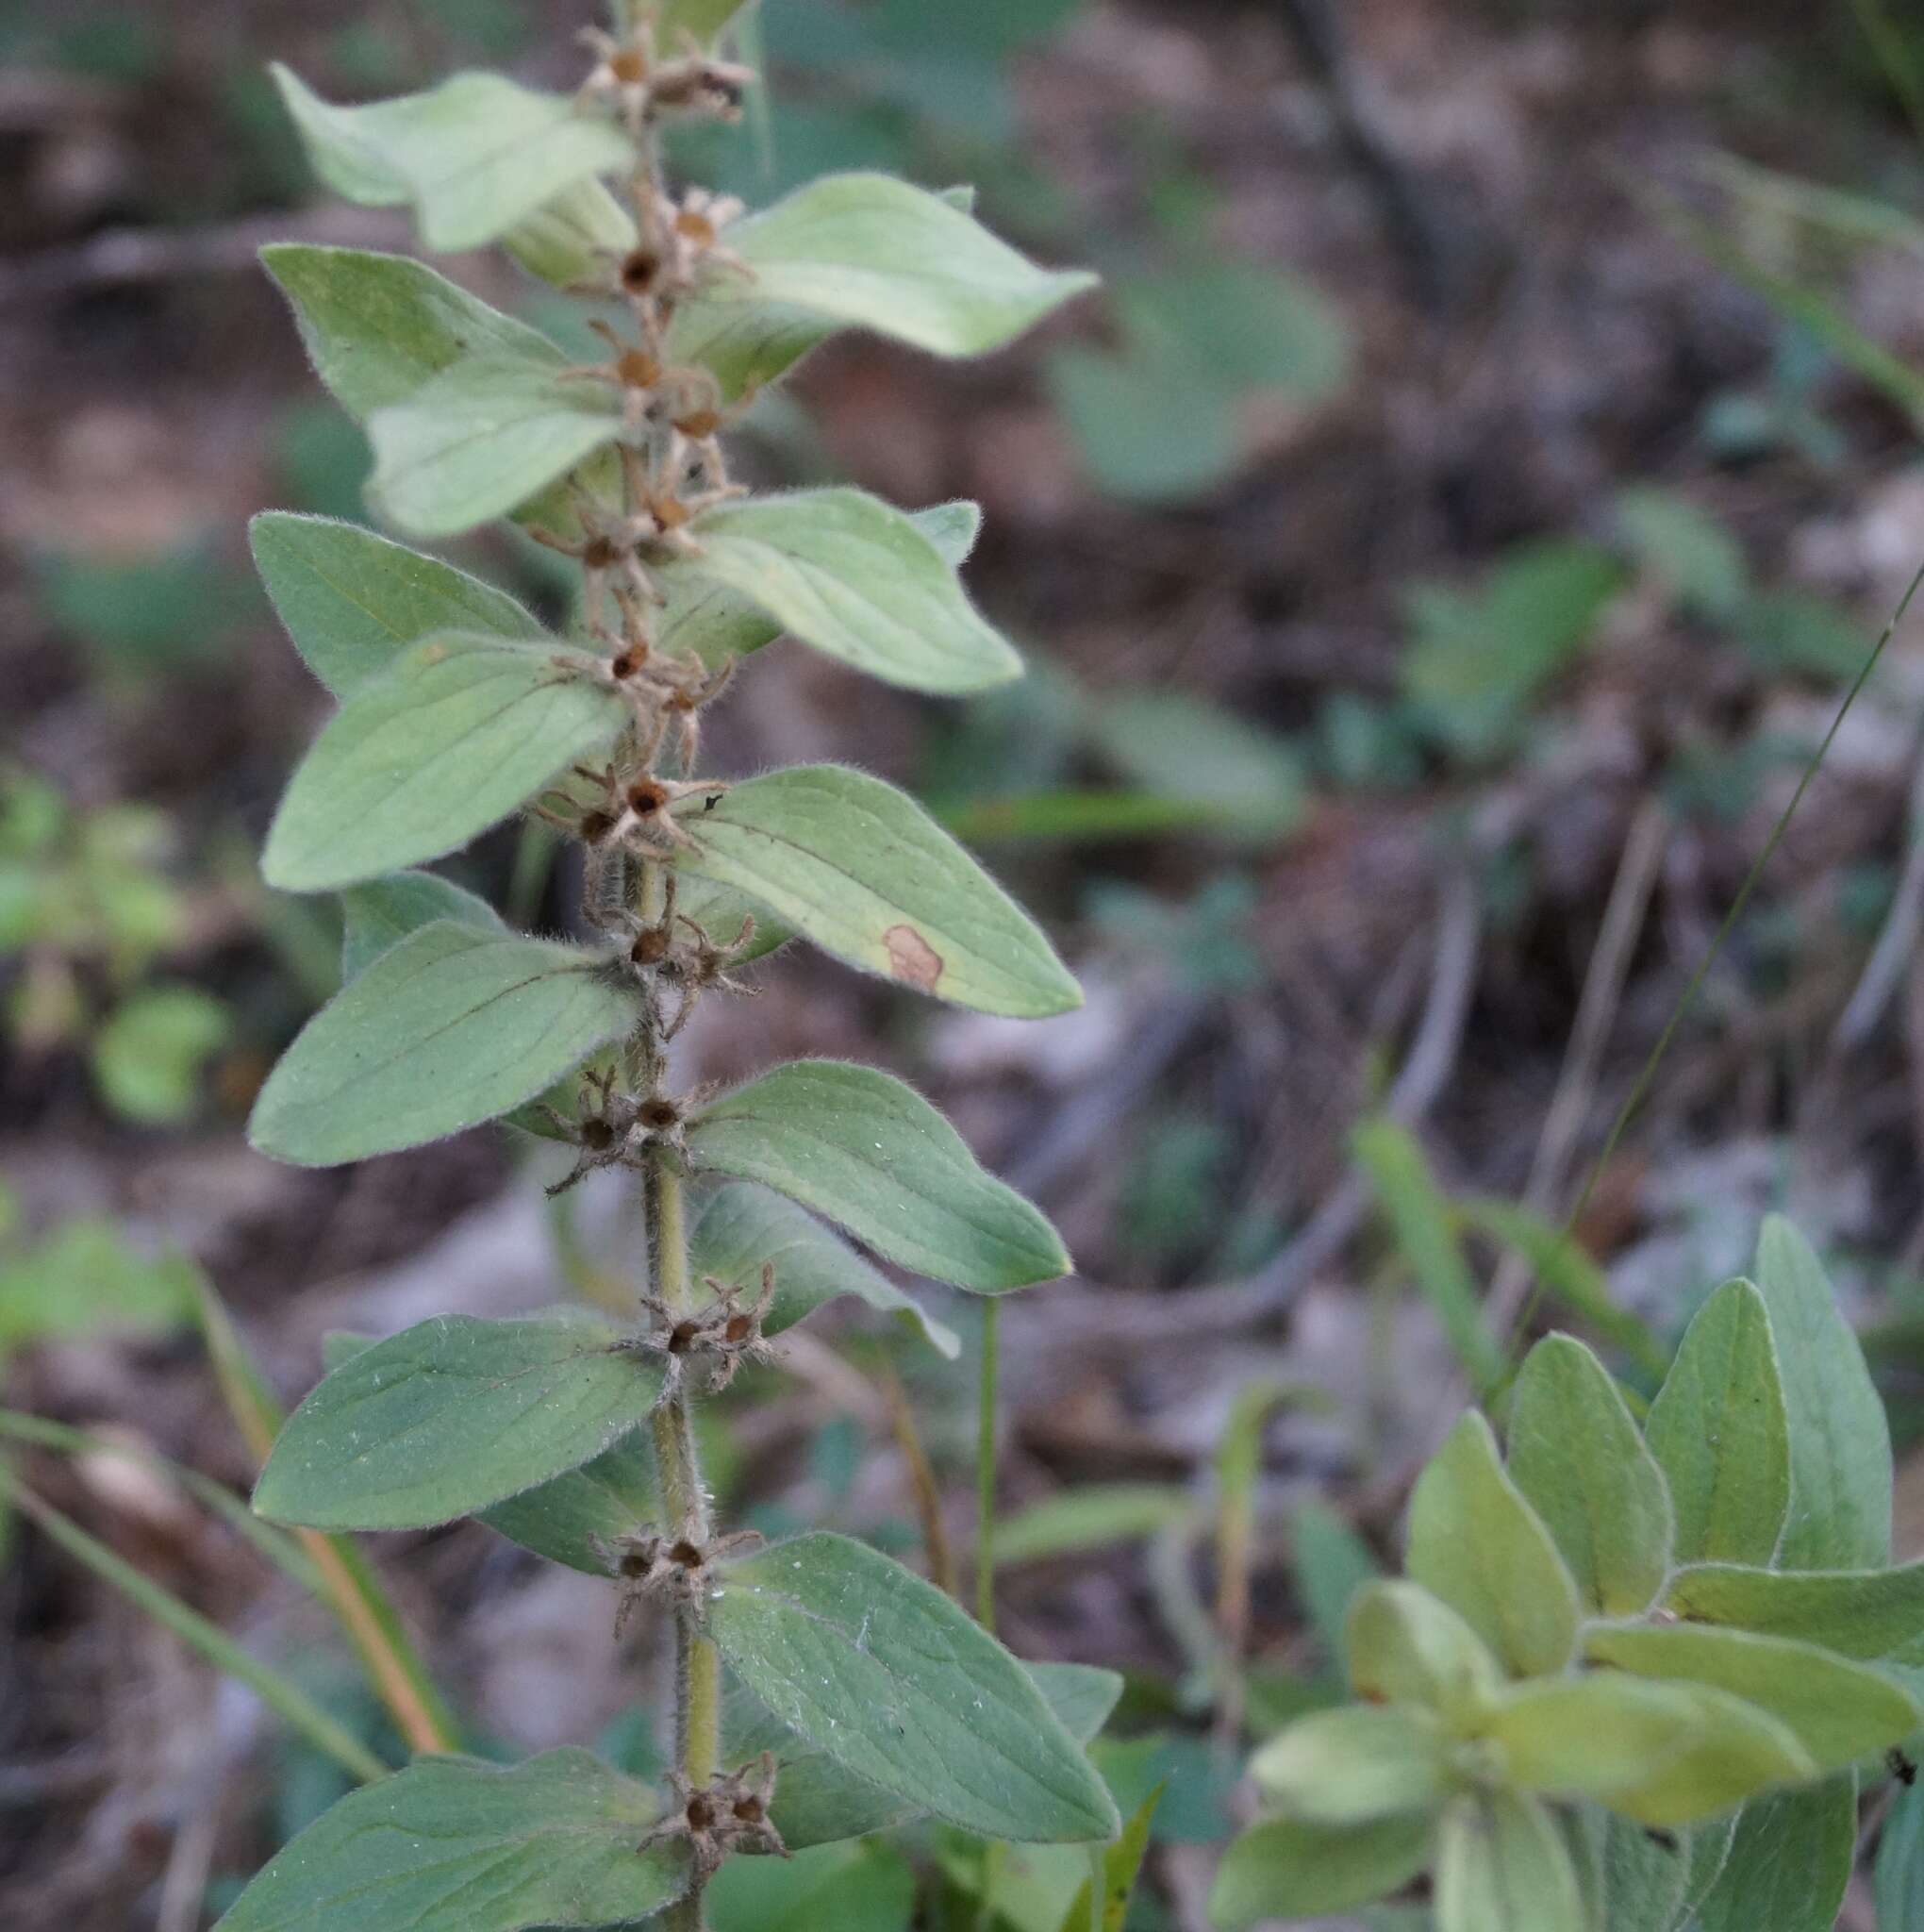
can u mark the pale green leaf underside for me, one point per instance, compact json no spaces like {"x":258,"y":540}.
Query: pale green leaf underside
{"x":1501,"y":1866}
{"x":352,"y":601}
{"x":475,"y":156}
{"x":857,"y":579}
{"x":716,"y":623}
{"x":1356,"y":1762}
{"x":577,"y":1518}
{"x":745,"y":1227}
{"x":457,"y":734}
{"x":447,"y":1029}
{"x":1739,"y":1750}
{"x":378,"y":326}
{"x":1285,"y":1868}
{"x":863,"y":251}
{"x":1858,"y":1613}
{"x":481,"y":439}
{"x":890,"y":1678}
{"x":452,"y":1417}
{"x":383,"y":912}
{"x":871,"y":1154}
{"x":862,"y":871}
{"x":454,"y":1845}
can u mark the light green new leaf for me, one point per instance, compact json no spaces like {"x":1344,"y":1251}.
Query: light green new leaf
{"x":853,"y":1888}
{"x":578,"y":1517}
{"x":1718,"y":1432}
{"x":451,"y":1417}
{"x":1738,"y":1752}
{"x":572,"y":238}
{"x":459,"y":732}
{"x":447,"y":1029}
{"x":1501,"y":1866}
{"x":891,"y":1678}
{"x":1357,"y":1763}
{"x":1580,"y":1462}
{"x":1476,"y":1543}
{"x":871,"y":1154}
{"x":352,"y":601}
{"x":1286,"y":1870}
{"x":482,"y":437}
{"x":1789,"y":1863}
{"x":1840,"y":1442}
{"x":1860,"y":1613}
{"x":856,"y":579}
{"x":707,"y":617}
{"x":1587,"y":1737}
{"x":383,"y":912}
{"x":745,"y":1227}
{"x":1406,"y":1646}
{"x":475,"y":155}
{"x":863,"y":251}
{"x":1839,"y":1711}
{"x":864,"y":872}
{"x":454,"y":1845}
{"x":377,"y":326}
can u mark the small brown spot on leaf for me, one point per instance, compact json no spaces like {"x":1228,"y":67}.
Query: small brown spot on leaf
{"x":912,"y":959}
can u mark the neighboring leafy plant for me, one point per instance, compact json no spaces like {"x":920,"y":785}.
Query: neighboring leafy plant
{"x":86,"y":911}
{"x":862,"y":1695}
{"x":1633,"y":1675}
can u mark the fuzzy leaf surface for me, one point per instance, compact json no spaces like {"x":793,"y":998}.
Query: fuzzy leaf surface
{"x":863,"y":251}
{"x":459,"y":732}
{"x":1739,"y":1752}
{"x":871,"y":1154}
{"x":1719,"y":1431}
{"x":1287,"y":1870}
{"x":352,"y":601}
{"x":1840,"y":1711}
{"x":452,"y":1844}
{"x":383,"y":912}
{"x":377,"y":326}
{"x":1789,"y":1863}
{"x":856,"y":578}
{"x":1587,"y":1737}
{"x":1501,"y":1866}
{"x":861,"y":869}
{"x":1840,"y":1440}
{"x":482,"y":438}
{"x":1580,"y":1462}
{"x":744,"y":1227}
{"x":1406,"y":1646}
{"x":449,"y":1417}
{"x":1478,"y":1545}
{"x":1858,"y":1613}
{"x":1355,"y":1763}
{"x":892,"y":1678}
{"x":605,"y":1499}
{"x":475,"y":156}
{"x":447,"y":1029}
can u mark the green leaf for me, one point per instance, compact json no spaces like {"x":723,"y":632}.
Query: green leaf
{"x":1839,"y":1711}
{"x":352,"y":601}
{"x":1860,"y":1613}
{"x":1789,"y":1863}
{"x":578,"y":1517}
{"x":1590,"y":1736}
{"x":1082,"y":1695}
{"x":449,"y":1417}
{"x":1286,"y":1870}
{"x":454,"y":1845}
{"x":1641,"y":1876}
{"x":891,"y":1678}
{"x":862,"y":251}
{"x":1739,"y":1751}
{"x":855,"y":1888}
{"x":1240,"y":775}
{"x":481,"y":439}
{"x":459,"y":732}
{"x":864,"y":872}
{"x":1840,"y":1442}
{"x":475,"y":155}
{"x":1092,"y":1516}
{"x":744,"y":1227}
{"x":720,"y":910}
{"x":1718,"y":1432}
{"x":856,"y":578}
{"x":1900,"y":1869}
{"x":1582,"y":1464}
{"x":871,"y":1154}
{"x":703,"y":19}
{"x":1333,"y":1566}
{"x":1502,"y":1867}
{"x":572,"y":238}
{"x":1118,"y":1866}
{"x":149,"y":1054}
{"x":1476,"y":1543}
{"x":447,"y":1029}
{"x":1149,"y":428}
{"x":383,"y":912}
{"x":377,"y":326}
{"x":84,"y":1278}
{"x":1358,"y":1762}
{"x":1697,"y":562}
{"x":1405,"y":1647}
